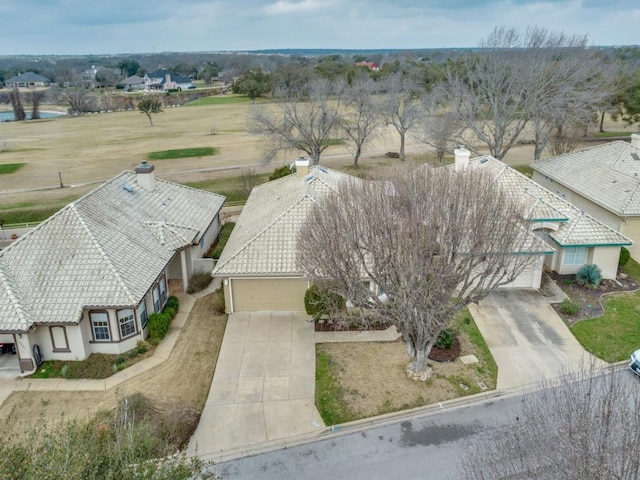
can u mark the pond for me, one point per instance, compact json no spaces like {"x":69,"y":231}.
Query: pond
{"x":7,"y":115}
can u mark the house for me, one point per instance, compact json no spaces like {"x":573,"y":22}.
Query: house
{"x":604,"y":181}
{"x":134,"y":82}
{"x":575,"y":237}
{"x":164,"y":80}
{"x":27,"y":80}
{"x":373,"y":66}
{"x":86,"y":279}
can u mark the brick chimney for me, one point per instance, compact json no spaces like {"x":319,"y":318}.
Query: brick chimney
{"x":302,"y":167}
{"x":145,"y":177}
{"x":635,"y":140}
{"x":462,"y":159}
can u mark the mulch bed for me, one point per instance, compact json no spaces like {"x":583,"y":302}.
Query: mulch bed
{"x":446,"y":354}
{"x":588,"y":299}
{"x":339,"y":327}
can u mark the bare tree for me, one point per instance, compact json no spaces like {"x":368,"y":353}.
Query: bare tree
{"x":306,"y":118}
{"x":249,"y":180}
{"x":16,"y":103}
{"x":35,"y":98}
{"x":584,"y":427}
{"x":430,"y":241}
{"x":361,"y":119}
{"x":79,"y":99}
{"x":150,"y":105}
{"x":565,"y":138}
{"x":400,"y":107}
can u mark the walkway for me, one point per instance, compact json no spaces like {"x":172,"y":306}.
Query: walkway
{"x":527,"y":338}
{"x":263,"y":389}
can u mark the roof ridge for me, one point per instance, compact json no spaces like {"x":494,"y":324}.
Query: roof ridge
{"x":101,"y":251}
{"x":263,"y":231}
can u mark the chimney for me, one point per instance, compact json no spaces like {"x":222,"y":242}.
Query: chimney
{"x":635,"y":140}
{"x":144,"y":176}
{"x":302,"y":167}
{"x":462,"y":159}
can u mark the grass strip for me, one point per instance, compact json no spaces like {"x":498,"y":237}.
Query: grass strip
{"x":182,"y":153}
{"x":8,"y":168}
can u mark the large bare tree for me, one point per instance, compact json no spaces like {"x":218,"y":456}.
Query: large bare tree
{"x":16,"y":104}
{"x":431,"y":241}
{"x":361,"y":120}
{"x":583,"y":427}
{"x":305,"y":118}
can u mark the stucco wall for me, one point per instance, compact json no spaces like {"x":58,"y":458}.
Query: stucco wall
{"x":605,"y":257}
{"x":632,"y":230}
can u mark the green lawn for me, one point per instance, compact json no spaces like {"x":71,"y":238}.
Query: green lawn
{"x":632,"y":268}
{"x":219,"y":100}
{"x":329,"y":393}
{"x":526,"y":170}
{"x":615,"y":335}
{"x":230,"y":187}
{"x":182,"y":153}
{"x":611,"y":134}
{"x":223,"y":236}
{"x":468,"y":326}
{"x":10,"y":168}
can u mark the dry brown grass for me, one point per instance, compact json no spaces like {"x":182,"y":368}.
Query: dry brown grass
{"x":182,"y":382}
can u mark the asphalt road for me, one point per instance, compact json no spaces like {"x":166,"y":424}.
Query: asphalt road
{"x":420,"y":446}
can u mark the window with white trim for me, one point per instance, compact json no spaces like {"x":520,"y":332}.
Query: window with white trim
{"x":163,"y":290}
{"x":575,"y":255}
{"x":156,"y":299}
{"x":127,"y":322}
{"x":142,"y":313}
{"x":100,"y":326}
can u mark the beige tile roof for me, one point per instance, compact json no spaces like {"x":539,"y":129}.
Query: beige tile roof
{"x":539,"y":204}
{"x":264,"y":238}
{"x":608,"y":175}
{"x":104,"y":249}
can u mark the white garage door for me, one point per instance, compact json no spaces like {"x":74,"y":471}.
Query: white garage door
{"x":530,"y":278}
{"x":272,"y":294}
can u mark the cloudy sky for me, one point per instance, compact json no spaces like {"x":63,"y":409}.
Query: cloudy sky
{"x":129,"y":26}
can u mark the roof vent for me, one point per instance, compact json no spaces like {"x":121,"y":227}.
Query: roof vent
{"x":128,"y":188}
{"x":484,"y":160}
{"x":635,"y":156}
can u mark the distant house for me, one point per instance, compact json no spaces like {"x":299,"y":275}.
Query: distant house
{"x":27,"y":80}
{"x":134,"y":82}
{"x":88,"y":77}
{"x":370,"y":65}
{"x":86,"y":279}
{"x":164,"y":80}
{"x":603,"y":180}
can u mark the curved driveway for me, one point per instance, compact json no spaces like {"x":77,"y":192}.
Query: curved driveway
{"x":527,"y":338}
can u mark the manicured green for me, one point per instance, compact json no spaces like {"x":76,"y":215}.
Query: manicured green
{"x":230,"y":187}
{"x":223,"y":236}
{"x":8,"y":168}
{"x":329,"y":393}
{"x":615,"y":335}
{"x":220,"y":100}
{"x":333,"y":141}
{"x":632,"y":268}
{"x":526,"y":170}
{"x":612,"y":134}
{"x":183,"y":153}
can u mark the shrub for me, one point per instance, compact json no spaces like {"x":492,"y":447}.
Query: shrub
{"x":217,"y":302}
{"x":624,"y":256}
{"x":319,"y":301}
{"x":280,"y":172}
{"x":569,"y":307}
{"x":170,"y":311}
{"x":173,"y":303}
{"x":120,"y":360}
{"x":446,"y":338}
{"x":223,"y":236}
{"x":158,"y":326}
{"x":589,"y":276}
{"x":199,"y":281}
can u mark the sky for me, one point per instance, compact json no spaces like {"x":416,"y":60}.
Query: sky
{"x":79,"y":27}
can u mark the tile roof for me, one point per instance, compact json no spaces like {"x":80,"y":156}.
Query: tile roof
{"x":27,"y":77}
{"x":539,"y":204}
{"x":264,"y":238}
{"x":608,"y":175}
{"x":105,"y":249}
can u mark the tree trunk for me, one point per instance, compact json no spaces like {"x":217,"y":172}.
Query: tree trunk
{"x":418,"y":369}
{"x":602,"y":121}
{"x":402,"y":147}
{"x":356,"y":157}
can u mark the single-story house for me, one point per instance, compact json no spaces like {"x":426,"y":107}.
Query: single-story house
{"x":164,"y":80}
{"x":604,"y":181}
{"x":258,"y":265}
{"x":27,"y":80}
{"x":86,"y":279}
{"x":134,"y":82}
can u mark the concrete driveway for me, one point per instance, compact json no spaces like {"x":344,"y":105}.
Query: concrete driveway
{"x":527,"y":339}
{"x":263,"y":387}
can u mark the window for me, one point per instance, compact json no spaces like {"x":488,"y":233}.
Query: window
{"x":127,"y":322}
{"x":156,"y":299}
{"x":575,"y":255}
{"x":142,"y":312}
{"x":163,"y":290}
{"x":100,"y":326}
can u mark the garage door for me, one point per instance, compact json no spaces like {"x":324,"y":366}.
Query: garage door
{"x":530,"y":278}
{"x":281,"y":294}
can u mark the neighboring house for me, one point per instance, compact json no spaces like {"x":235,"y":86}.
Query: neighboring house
{"x":373,"y":66}
{"x":259,"y":269}
{"x":576,"y":237}
{"x":27,"y":80}
{"x":134,"y":82}
{"x":88,"y":77}
{"x":86,"y":279}
{"x":604,"y":181}
{"x":164,"y":80}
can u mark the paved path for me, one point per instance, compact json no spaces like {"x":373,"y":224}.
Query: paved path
{"x":263,"y":388}
{"x":527,"y":338}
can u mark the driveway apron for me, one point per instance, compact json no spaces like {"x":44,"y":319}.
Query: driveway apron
{"x":527,"y":338}
{"x":263,"y":387}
